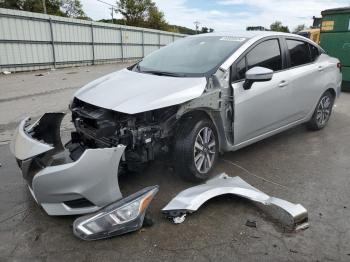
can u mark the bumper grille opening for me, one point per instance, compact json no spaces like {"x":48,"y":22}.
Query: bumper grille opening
{"x":79,"y":203}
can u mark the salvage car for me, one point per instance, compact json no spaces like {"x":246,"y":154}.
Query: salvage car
{"x":190,"y":101}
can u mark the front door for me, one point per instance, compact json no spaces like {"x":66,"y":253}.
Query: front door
{"x":266,"y":106}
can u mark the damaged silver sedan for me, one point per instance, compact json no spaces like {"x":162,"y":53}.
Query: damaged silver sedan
{"x":188,"y":102}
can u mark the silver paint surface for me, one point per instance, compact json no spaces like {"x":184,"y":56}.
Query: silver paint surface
{"x":23,"y":146}
{"x":191,"y":199}
{"x":94,"y":176}
{"x":132,"y":92}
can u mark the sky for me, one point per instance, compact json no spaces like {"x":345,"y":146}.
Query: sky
{"x":229,"y":15}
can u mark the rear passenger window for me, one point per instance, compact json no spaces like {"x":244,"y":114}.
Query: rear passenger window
{"x":314,"y":52}
{"x":299,"y":52}
{"x":266,"y":54}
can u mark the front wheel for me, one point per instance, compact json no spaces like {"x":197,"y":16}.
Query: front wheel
{"x":196,"y":149}
{"x":322,"y":112}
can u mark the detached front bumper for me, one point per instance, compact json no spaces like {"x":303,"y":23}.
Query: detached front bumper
{"x":59,"y":184}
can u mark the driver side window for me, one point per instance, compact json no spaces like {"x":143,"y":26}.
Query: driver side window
{"x":266,"y":54}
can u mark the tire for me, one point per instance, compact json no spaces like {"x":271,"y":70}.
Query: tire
{"x":322,"y":112}
{"x":196,"y":148}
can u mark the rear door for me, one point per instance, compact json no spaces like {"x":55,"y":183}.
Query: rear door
{"x":306,"y":74}
{"x":267,"y":105}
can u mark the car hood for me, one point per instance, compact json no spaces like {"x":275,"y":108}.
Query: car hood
{"x":132,"y":92}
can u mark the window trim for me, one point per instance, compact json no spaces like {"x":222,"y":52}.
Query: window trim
{"x":318,"y":50}
{"x":250,"y":48}
{"x":245,"y":62}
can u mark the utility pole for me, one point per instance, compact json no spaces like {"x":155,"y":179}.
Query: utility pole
{"x":112,"y":7}
{"x":196,"y":23}
{"x":44,"y":6}
{"x":112,"y":10}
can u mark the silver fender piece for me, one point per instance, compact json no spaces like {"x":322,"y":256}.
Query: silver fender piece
{"x":191,"y":199}
{"x":54,"y":179}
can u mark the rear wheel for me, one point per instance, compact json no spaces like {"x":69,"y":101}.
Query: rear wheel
{"x":196,"y":148}
{"x":322,"y":112}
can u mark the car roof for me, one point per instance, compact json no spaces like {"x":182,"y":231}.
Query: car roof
{"x":252,"y":37}
{"x":247,"y":34}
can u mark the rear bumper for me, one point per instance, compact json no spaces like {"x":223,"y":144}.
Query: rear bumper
{"x":59,"y":184}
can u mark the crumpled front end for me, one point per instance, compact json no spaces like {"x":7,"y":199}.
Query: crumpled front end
{"x":61,"y":185}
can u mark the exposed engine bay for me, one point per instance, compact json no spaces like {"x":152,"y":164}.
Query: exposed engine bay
{"x":146,"y":135}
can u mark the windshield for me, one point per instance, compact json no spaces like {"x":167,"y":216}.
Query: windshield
{"x":191,"y":55}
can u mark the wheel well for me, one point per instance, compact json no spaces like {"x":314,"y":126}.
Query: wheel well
{"x":203,"y":114}
{"x":195,"y":114}
{"x":331,"y":90}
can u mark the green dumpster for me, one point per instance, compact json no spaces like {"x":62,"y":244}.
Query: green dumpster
{"x":335,"y":38}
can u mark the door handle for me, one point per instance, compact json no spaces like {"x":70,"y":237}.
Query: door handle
{"x":320,"y":68}
{"x":283,"y":84}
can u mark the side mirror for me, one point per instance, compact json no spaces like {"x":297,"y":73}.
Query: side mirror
{"x":257,"y":74}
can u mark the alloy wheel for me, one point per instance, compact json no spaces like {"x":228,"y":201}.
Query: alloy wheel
{"x":323,"y":110}
{"x":204,"y":150}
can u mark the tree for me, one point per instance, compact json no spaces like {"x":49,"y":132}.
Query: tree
{"x":204,"y":30}
{"x":52,"y":6}
{"x":256,"y":28}
{"x":72,"y":8}
{"x":278,"y":27}
{"x":142,"y":13}
{"x":173,"y":29}
{"x":11,"y":4}
{"x":135,"y":12}
{"x":181,"y":30}
{"x":299,"y":28}
{"x":115,"y":21}
{"x":67,"y":8}
{"x":156,"y":19}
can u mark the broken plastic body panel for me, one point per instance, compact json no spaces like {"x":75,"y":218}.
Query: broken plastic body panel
{"x":57,"y":183}
{"x":189,"y":200}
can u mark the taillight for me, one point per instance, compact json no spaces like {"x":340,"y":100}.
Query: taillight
{"x":339,"y":65}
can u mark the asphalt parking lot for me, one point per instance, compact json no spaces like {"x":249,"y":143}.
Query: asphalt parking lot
{"x":311,"y":168}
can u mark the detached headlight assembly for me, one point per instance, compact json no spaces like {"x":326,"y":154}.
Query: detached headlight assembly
{"x":125,"y":215}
